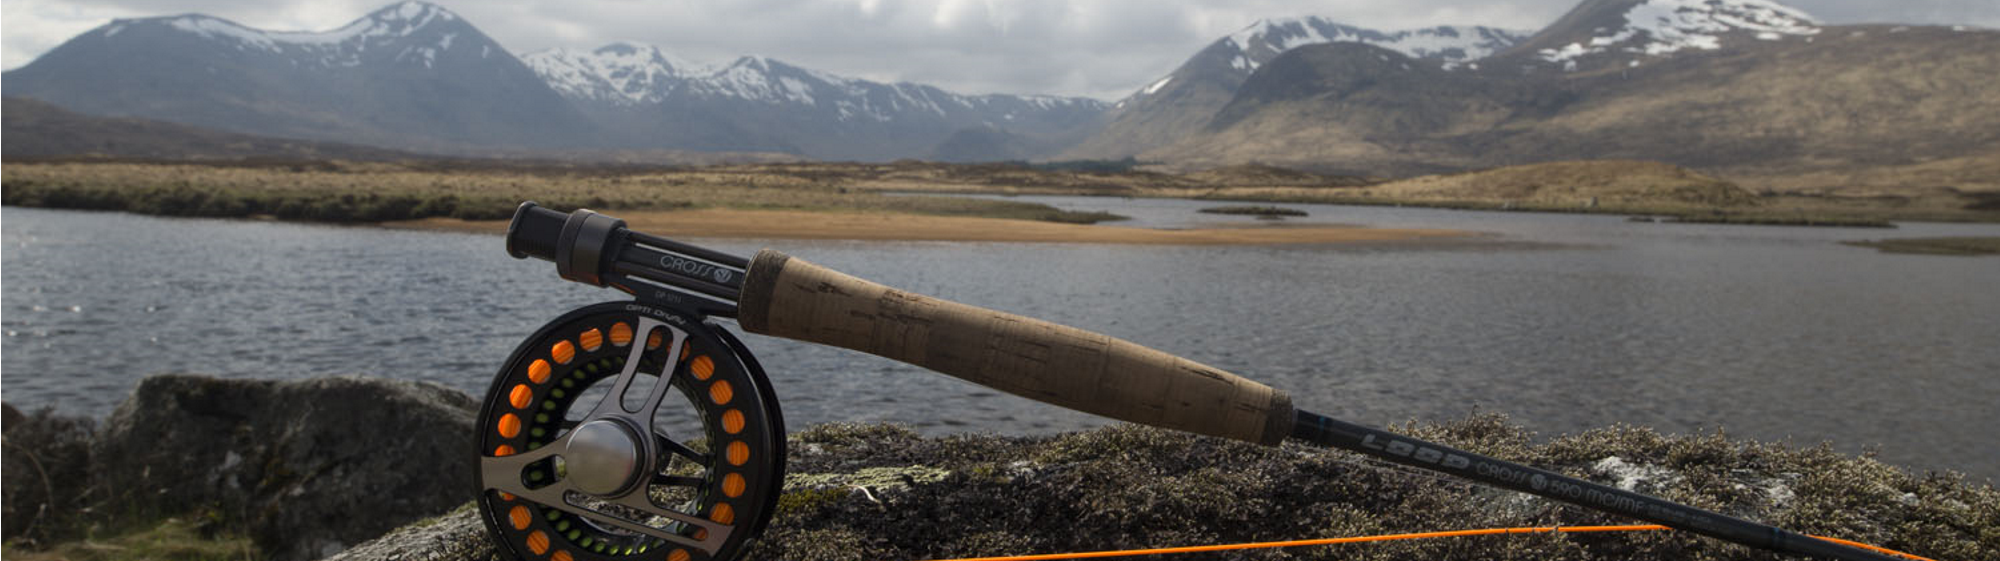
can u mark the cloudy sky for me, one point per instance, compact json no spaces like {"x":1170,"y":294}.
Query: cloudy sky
{"x":1099,"y":48}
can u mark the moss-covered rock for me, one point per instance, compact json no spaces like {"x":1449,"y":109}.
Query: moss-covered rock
{"x":45,"y":466}
{"x":878,"y":492}
{"x":875,"y":492}
{"x":303,"y":467}
{"x":1134,"y":487}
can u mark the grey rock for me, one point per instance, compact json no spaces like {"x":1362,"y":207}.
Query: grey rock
{"x":306,"y":467}
{"x":45,"y":468}
{"x":458,"y":536}
{"x":11,"y":415}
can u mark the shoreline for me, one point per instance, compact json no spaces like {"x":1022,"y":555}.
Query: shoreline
{"x":875,"y":491}
{"x":889,"y":226}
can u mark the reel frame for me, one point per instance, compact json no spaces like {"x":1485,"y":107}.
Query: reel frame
{"x":591,"y":488}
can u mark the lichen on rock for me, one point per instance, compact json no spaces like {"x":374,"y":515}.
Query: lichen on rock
{"x":306,"y":468}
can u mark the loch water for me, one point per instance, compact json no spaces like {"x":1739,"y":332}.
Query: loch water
{"x":1562,"y":322}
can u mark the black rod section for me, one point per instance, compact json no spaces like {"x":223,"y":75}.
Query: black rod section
{"x":1324,"y":431}
{"x":689,"y":283}
{"x":656,"y":292}
{"x":696,"y":251}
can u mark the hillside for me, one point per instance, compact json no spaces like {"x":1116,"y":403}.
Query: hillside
{"x":1182,"y":102}
{"x":35,"y":129}
{"x":1853,"y":98}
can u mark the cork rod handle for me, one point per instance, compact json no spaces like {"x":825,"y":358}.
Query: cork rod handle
{"x":1039,"y":360}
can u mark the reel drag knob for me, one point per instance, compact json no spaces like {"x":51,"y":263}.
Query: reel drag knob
{"x":628,"y":431}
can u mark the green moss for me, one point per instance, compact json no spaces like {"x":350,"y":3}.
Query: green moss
{"x":872,"y":478}
{"x":850,"y":434}
{"x":172,"y":539}
{"x":804,"y":501}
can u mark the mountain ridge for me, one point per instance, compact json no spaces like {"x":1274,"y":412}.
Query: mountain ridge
{"x":414,"y":76}
{"x":1183,"y":101}
{"x":1607,"y":33}
{"x":632,"y":89}
{"x":408,"y":76}
{"x":1712,"y":84}
{"x":1854,"y":97}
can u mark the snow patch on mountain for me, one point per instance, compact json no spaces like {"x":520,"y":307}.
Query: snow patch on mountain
{"x":620,"y":72}
{"x":217,"y":28}
{"x":625,"y":74}
{"x":339,"y":47}
{"x":1451,"y":46}
{"x":752,"y":78}
{"x":1660,"y":27}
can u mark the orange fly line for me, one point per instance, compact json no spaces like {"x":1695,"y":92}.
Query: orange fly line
{"x":1383,"y":538}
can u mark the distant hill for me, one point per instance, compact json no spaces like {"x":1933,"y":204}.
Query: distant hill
{"x":410,"y":75}
{"x":1743,"y":88}
{"x":1852,"y":97}
{"x":1182,"y":102}
{"x":413,"y":75}
{"x":1738,"y":88}
{"x":640,"y":95}
{"x":34,"y":129}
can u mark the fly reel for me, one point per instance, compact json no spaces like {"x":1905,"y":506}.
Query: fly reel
{"x":629,"y":431}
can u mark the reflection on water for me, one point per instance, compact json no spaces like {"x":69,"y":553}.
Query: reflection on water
{"x":1563,"y":322}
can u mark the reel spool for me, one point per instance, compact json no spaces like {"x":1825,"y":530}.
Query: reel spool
{"x":629,"y":431}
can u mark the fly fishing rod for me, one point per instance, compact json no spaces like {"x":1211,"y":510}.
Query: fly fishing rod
{"x":580,"y":457}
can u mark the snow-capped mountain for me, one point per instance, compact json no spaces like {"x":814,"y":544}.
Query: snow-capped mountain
{"x":1183,"y":101}
{"x":1628,"y":33}
{"x":1744,"y":85}
{"x":619,"y":73}
{"x":1267,"y":39}
{"x":414,"y":75}
{"x":757,"y":103}
{"x":1243,"y":51}
{"x":401,"y":32}
{"x":409,"y":75}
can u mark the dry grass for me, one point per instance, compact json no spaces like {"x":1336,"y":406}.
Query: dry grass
{"x":1598,"y":183}
{"x":375,"y":192}
{"x":1642,"y":188}
{"x":380,"y":192}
